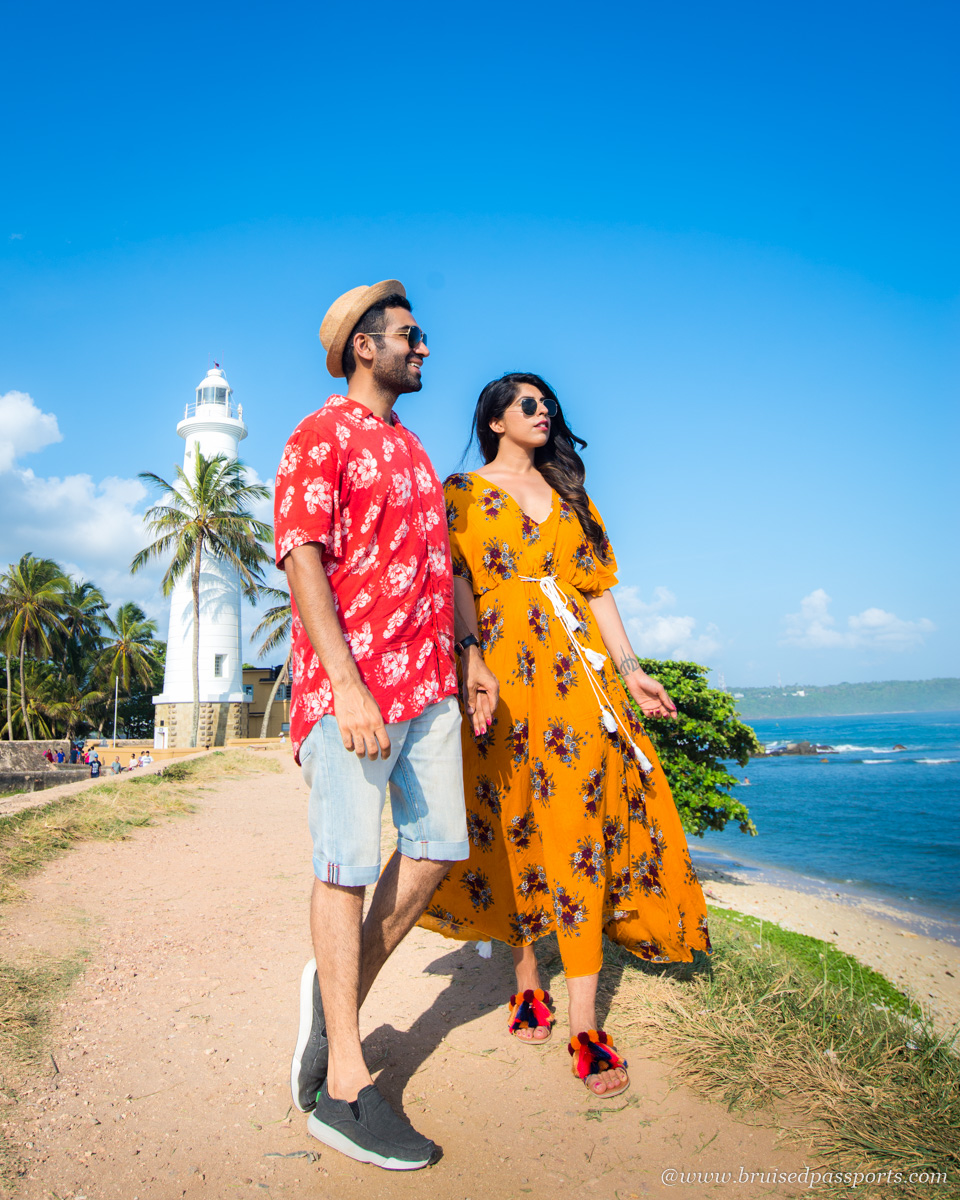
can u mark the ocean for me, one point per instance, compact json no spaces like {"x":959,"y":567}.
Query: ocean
{"x":869,"y":820}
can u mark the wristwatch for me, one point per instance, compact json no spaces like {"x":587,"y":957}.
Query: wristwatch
{"x":465,"y":644}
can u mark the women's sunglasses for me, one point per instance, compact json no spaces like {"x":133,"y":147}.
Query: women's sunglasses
{"x":529,"y":406}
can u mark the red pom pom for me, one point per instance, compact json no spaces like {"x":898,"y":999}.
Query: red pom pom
{"x":602,"y":1037}
{"x":513,"y":999}
{"x":583,"y":1039}
{"x":528,"y":994}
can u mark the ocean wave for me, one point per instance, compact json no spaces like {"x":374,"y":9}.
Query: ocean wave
{"x":933,"y":761}
{"x":874,"y":761}
{"x":865,"y":750}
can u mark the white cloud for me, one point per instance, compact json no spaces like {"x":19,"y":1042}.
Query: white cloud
{"x":23,"y":428}
{"x":814,"y":628}
{"x":656,"y":632}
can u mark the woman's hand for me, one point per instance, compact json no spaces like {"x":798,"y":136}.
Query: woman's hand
{"x":650,"y":695}
{"x":481,"y":691}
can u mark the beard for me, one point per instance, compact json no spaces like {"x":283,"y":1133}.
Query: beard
{"x":394,"y":374}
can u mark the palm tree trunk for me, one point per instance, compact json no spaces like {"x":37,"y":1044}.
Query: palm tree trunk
{"x":281,"y":678}
{"x":23,"y":692}
{"x":196,"y":643}
{"x":9,"y":699}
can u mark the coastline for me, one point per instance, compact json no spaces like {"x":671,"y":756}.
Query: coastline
{"x":916,"y":950}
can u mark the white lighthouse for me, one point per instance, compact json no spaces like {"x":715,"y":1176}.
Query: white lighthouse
{"x":212,"y":424}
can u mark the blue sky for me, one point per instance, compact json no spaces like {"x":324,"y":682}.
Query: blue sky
{"x":727,"y":236}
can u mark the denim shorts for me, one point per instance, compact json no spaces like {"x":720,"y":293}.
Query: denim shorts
{"x":347,"y":794}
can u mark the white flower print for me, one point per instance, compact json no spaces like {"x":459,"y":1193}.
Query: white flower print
{"x":319,"y":452}
{"x":388,"y":449}
{"x":361,"y":641}
{"x":426,"y":693}
{"x":318,"y":494}
{"x":360,"y":600}
{"x":395,"y":712}
{"x":297,"y":667}
{"x":290,"y":461}
{"x":397,"y":618}
{"x":316,"y":703}
{"x":437,"y":558}
{"x":313,"y":666}
{"x":393,"y":666}
{"x":432,"y":518}
{"x":402,"y":488}
{"x":293,"y":537}
{"x":364,"y":558}
{"x":425,"y":651}
{"x":372,"y":513}
{"x":362,"y":470}
{"x":343,"y":435}
{"x":399,"y":577}
{"x":287,"y":500}
{"x":424,"y":480}
{"x":402,"y":530}
{"x":419,"y":526}
{"x":422,"y":612}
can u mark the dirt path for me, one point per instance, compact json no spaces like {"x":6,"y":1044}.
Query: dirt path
{"x":174,"y":1046}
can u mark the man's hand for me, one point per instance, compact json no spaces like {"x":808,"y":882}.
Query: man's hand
{"x":650,"y":695}
{"x":481,"y":691}
{"x":360,"y":722}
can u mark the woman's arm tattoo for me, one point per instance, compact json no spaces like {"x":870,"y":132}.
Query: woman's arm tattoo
{"x":628,"y":662}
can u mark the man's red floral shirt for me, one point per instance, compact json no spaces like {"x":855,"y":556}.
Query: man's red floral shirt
{"x":366,"y":491}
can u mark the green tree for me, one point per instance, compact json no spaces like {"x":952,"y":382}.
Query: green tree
{"x":77,"y":647}
{"x":274,"y":627}
{"x":129,"y":649}
{"x":693,"y":748}
{"x":35,"y":592}
{"x":207,"y":512}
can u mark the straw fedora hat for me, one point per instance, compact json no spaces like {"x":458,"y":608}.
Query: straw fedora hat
{"x":345,"y":312}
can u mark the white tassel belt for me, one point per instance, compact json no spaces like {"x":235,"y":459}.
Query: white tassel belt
{"x":592,"y":660}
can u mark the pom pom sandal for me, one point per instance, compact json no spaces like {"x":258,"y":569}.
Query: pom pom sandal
{"x":530,"y":1010}
{"x":593,"y":1053}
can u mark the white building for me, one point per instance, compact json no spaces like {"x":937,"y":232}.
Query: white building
{"x":212,"y":424}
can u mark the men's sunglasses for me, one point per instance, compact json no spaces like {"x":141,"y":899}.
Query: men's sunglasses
{"x":529,"y":406}
{"x":414,"y":335}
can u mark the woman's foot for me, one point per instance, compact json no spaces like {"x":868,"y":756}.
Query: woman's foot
{"x":583,"y":1016}
{"x":597,"y":1063}
{"x":528,"y":979}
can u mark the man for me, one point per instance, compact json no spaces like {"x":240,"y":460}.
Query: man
{"x":116,"y":766}
{"x":361,"y":533}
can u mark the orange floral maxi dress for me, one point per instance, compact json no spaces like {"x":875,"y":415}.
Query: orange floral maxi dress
{"x":570,"y":828}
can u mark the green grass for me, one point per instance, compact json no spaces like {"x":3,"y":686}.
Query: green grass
{"x":790,"y":1027}
{"x":841,"y":970}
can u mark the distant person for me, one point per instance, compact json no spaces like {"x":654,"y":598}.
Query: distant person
{"x":146,"y":758}
{"x":573,"y":829}
{"x":116,"y":766}
{"x":361,"y":533}
{"x":48,"y":755}
{"x":59,"y":756}
{"x":133,"y":761}
{"x":94,"y":767}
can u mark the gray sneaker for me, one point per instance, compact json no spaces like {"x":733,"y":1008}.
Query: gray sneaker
{"x":309,"y":1067}
{"x":369,"y":1131}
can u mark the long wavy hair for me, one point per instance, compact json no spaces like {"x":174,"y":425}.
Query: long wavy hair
{"x":557,"y":460}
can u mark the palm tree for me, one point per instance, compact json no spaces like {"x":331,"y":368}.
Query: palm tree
{"x":86,"y":612}
{"x":275,"y":626}
{"x":35,"y":601}
{"x":131,"y":651}
{"x":206,"y":513}
{"x":72,"y":705}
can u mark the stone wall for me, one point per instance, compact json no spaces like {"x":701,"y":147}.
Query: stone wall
{"x":28,"y":756}
{"x":218,"y":722}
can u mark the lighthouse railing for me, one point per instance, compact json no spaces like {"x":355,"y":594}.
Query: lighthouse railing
{"x":221,"y":409}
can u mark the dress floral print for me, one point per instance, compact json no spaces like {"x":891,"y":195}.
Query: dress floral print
{"x":364,"y":491}
{"x":567,"y":834}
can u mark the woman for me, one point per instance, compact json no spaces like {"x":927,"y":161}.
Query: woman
{"x":571,"y":821}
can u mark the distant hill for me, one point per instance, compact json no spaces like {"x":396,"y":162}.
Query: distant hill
{"x":894,"y":695}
